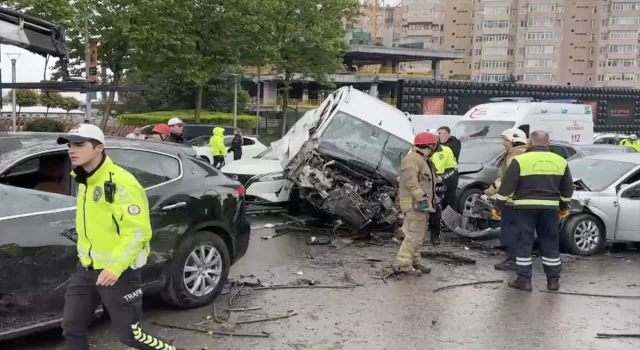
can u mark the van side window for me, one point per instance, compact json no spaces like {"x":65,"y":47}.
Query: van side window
{"x":525,"y":128}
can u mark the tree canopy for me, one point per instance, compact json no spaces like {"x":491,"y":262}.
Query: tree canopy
{"x":26,"y":98}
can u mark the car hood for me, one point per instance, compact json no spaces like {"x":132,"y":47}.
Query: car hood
{"x":252,"y":166}
{"x":469,"y":168}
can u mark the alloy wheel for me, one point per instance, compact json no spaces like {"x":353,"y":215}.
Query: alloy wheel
{"x":202,"y":270}
{"x":587,"y":235}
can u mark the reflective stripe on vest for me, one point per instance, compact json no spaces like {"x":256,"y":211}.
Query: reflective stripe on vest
{"x":539,"y":173}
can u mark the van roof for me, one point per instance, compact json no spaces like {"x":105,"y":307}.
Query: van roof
{"x":513,"y":109}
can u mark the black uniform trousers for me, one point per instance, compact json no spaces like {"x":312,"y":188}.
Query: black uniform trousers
{"x":123,"y":302}
{"x":449,"y":199}
{"x":509,"y":231}
{"x":545,"y":222}
{"x":434,"y":219}
{"x":218,"y":161}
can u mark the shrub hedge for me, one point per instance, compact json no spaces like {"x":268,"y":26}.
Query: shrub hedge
{"x":206,"y":117}
{"x":45,"y":125}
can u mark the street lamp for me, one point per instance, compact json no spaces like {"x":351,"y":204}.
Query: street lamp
{"x":13,"y":57}
{"x":235,"y":99}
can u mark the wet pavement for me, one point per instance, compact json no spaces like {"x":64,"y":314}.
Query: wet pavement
{"x":402,"y":313}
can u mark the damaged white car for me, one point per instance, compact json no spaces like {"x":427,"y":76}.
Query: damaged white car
{"x":344,"y":157}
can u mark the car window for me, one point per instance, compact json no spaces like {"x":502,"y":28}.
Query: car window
{"x":200,"y":141}
{"x":247,"y":141}
{"x":477,"y":151}
{"x":570,"y":151}
{"x":598,"y":174}
{"x":559,"y":150}
{"x":150,"y":169}
{"x":26,"y":201}
{"x":393,"y":153}
{"x":480,"y":128}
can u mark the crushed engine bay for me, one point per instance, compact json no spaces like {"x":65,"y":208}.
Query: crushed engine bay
{"x":347,"y":189}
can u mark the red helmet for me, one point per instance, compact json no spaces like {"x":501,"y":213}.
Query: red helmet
{"x":161,"y":129}
{"x":425,"y":138}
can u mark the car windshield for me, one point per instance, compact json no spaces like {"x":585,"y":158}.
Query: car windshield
{"x":480,"y":128}
{"x":589,"y":150}
{"x":479,"y":151}
{"x":364,"y":142}
{"x":598,"y":174}
{"x":267,"y":154}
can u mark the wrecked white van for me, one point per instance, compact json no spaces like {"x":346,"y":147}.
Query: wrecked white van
{"x":345,"y":156}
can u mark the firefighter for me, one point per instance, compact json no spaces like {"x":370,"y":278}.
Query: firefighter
{"x":114,"y":230}
{"x":541,"y":185}
{"x":417,"y":202}
{"x":515,"y":143}
{"x":446,"y":167}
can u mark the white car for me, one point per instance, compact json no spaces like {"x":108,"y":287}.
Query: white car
{"x":251,"y":147}
{"x":262,"y":178}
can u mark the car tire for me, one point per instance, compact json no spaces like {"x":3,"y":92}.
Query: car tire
{"x":466,"y":194}
{"x":589,"y":228}
{"x":177,"y":290}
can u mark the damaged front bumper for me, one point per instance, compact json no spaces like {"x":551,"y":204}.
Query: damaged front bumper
{"x":474,"y":222}
{"x":357,"y":196}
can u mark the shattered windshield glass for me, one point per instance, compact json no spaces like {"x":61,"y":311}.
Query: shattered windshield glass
{"x":364,"y":142}
{"x":480,"y":128}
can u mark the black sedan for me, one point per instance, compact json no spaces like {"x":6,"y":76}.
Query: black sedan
{"x":480,"y":159}
{"x":197,"y":213}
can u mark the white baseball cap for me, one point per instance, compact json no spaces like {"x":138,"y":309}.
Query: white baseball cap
{"x":175,"y":121}
{"x":82,"y":133}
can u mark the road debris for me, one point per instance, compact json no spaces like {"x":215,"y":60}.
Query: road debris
{"x":275,"y":235}
{"x":248,"y":280}
{"x":244,"y":309}
{"x":273,"y":318}
{"x":340,"y":243}
{"x":370,"y":258}
{"x":593,"y":295}
{"x":263,"y":334}
{"x":309,"y":287}
{"x":448,"y":257}
{"x":467,"y":284}
{"x":610,"y":335}
{"x":319,"y":241}
{"x":233,"y":296}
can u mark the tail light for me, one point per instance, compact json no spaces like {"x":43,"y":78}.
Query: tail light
{"x":240,"y":190}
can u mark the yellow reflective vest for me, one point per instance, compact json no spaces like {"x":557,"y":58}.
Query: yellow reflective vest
{"x":217,"y":142}
{"x":113,"y":236}
{"x":443,"y":160}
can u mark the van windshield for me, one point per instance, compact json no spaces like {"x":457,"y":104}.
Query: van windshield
{"x":480,"y":128}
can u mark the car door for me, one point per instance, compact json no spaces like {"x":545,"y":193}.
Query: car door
{"x":37,"y":255}
{"x":628,"y":208}
{"x":160,"y":174}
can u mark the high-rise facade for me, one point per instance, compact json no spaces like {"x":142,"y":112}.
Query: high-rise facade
{"x":576,"y":42}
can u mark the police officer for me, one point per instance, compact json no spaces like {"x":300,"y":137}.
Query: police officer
{"x":541,"y":185}
{"x":446,"y":167}
{"x":416,"y":194}
{"x":515,"y":143}
{"x":114,"y":230}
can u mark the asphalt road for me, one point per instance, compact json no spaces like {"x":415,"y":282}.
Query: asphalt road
{"x":402,"y":313}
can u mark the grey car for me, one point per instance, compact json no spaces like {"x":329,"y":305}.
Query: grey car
{"x":605,"y":205}
{"x":480,"y":159}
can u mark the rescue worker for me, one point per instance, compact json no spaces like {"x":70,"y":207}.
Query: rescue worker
{"x":444,"y":162}
{"x":176,"y":126}
{"x":515,"y":143}
{"x":114,"y":230}
{"x":541,"y":185}
{"x":159,"y":133}
{"x":218,"y":151}
{"x":416,"y":195}
{"x":450,"y":197}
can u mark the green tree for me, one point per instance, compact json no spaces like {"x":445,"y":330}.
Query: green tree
{"x":195,"y":40}
{"x":69,"y":103}
{"x":26,"y":98}
{"x":301,"y":38}
{"x":50,"y":100}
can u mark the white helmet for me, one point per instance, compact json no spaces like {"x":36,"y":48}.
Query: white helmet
{"x":633,"y":136}
{"x":514,"y":135}
{"x":432,"y":131}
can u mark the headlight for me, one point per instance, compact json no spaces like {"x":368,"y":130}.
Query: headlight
{"x":271,"y":177}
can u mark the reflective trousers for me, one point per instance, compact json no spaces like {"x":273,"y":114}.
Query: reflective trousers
{"x":414,"y":227}
{"x":509,"y":231}
{"x":123,"y":302}
{"x":545,"y":222}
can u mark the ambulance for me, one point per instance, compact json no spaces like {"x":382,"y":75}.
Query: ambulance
{"x":568,"y":122}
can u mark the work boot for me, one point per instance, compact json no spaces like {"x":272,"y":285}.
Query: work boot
{"x":507,"y":265}
{"x":422,"y":268}
{"x":521,"y":284}
{"x":435,"y":239}
{"x":408,"y":270}
{"x":553,"y":283}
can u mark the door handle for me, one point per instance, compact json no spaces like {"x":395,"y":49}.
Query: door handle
{"x":174,"y":206}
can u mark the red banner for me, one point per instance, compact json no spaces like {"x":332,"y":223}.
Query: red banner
{"x":433,"y":105}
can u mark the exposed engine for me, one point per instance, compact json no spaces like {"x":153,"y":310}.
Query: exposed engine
{"x":359,"y":197}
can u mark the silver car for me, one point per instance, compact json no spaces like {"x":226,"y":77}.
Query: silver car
{"x":606,"y":203}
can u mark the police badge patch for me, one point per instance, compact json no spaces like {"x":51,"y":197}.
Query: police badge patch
{"x":134,"y":209}
{"x":441,"y":156}
{"x":97,"y":193}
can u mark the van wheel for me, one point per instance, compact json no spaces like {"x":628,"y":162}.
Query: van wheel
{"x":198,"y":272}
{"x":466,"y":197}
{"x":583,"y":235}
